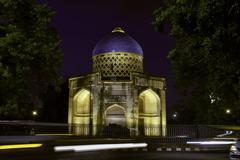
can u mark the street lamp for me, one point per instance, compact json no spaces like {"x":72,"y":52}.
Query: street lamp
{"x":174,"y":115}
{"x":228,"y":111}
{"x":34,"y":113}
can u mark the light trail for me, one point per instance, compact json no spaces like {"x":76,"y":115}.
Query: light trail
{"x":20,"y":146}
{"x":211,"y":142}
{"x":95,"y":147}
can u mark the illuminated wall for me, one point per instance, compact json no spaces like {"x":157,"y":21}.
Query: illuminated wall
{"x":81,"y":112}
{"x":149,"y":112}
{"x":128,"y":104}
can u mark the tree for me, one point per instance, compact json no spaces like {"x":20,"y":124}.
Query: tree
{"x":55,"y":101}
{"x":206,"y":56}
{"x":29,"y":56}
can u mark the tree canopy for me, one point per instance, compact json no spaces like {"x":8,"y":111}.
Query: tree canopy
{"x":29,"y":56}
{"x":206,"y":57}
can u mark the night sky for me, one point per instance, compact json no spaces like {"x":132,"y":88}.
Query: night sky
{"x":82,"y":23}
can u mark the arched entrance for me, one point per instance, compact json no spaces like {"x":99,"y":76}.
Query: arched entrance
{"x":149,"y":113}
{"x":115,"y":114}
{"x":116,"y":123}
{"x":81,"y":112}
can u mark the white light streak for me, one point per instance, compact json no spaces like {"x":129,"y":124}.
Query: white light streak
{"x":211,"y":142}
{"x":95,"y":147}
{"x":225,"y":134}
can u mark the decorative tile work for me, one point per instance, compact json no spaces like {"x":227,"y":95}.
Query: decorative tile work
{"x":117,"y":64}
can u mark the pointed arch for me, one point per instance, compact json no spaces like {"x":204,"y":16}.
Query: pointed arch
{"x":149,"y":102}
{"x":81,"y":112}
{"x":115,"y":114}
{"x":149,"y":113}
{"x":82,"y":102}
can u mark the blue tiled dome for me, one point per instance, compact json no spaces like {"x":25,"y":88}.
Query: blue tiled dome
{"x":117,"y":41}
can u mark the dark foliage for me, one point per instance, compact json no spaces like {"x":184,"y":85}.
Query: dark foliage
{"x":206,"y":57}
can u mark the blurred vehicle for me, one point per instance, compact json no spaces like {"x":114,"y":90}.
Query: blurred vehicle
{"x":235,"y":151}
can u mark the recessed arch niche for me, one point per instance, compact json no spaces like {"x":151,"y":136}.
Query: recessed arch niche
{"x":149,"y":113}
{"x":81,"y":112}
{"x":115,"y":114}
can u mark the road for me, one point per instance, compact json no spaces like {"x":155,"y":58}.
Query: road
{"x":46,"y":152}
{"x":110,"y":155}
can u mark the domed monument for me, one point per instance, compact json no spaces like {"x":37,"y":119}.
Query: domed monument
{"x":117,"y":99}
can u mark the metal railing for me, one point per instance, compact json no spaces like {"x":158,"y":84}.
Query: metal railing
{"x":31,"y":128}
{"x":174,"y":132}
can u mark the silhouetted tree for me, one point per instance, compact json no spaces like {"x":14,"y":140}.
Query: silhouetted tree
{"x":29,"y":56}
{"x":206,"y":56}
{"x":55,"y":107}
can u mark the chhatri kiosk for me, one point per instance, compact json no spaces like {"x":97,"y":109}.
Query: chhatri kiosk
{"x":117,"y":92}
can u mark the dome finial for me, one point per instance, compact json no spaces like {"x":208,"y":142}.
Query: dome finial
{"x":118,"y":29}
